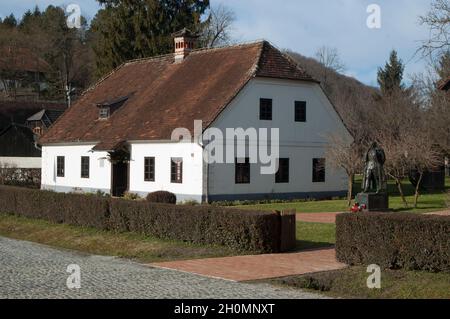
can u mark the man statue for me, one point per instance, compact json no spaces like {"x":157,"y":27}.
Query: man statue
{"x":374,"y":178}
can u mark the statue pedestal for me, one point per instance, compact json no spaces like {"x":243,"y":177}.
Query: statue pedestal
{"x":374,"y":202}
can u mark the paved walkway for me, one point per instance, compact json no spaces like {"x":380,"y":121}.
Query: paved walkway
{"x":244,"y":268}
{"x":326,"y":218}
{"x":443,"y":213}
{"x":29,"y":270}
{"x":330,"y":218}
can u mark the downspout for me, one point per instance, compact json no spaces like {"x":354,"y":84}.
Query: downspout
{"x":206,"y":170}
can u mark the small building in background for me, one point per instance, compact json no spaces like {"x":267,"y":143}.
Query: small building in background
{"x":22,"y":74}
{"x":21,"y":124}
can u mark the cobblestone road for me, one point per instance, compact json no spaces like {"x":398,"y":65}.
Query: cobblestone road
{"x":29,"y":270}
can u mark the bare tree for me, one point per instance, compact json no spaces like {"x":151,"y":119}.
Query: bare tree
{"x":422,"y":157}
{"x":438,"y":22}
{"x":342,"y":154}
{"x":394,"y":119}
{"x":329,"y":57}
{"x":217,"y":28}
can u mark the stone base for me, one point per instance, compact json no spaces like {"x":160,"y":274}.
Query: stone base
{"x":374,"y":202}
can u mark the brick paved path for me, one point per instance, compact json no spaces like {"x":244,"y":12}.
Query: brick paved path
{"x":326,"y":218}
{"x":243,"y":268}
{"x":443,"y":213}
{"x":29,"y":270}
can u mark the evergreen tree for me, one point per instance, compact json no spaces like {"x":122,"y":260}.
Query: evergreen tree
{"x":10,"y":21}
{"x":390,"y":78}
{"x":130,"y":29}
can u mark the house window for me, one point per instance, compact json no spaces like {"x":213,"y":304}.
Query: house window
{"x":60,"y":166}
{"x":176,"y":170}
{"x":149,"y":169}
{"x":103,"y":113}
{"x":242,"y":172}
{"x":318,"y":170}
{"x":282,"y":176}
{"x":300,"y":111}
{"x":265,"y":109}
{"x":85,"y":167}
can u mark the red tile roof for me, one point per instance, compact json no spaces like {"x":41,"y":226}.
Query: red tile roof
{"x":22,"y":59}
{"x":163,"y":95}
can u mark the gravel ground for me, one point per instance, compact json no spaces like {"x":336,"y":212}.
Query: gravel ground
{"x":29,"y":270}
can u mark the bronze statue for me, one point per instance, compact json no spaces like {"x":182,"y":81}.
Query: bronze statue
{"x":374,"y":178}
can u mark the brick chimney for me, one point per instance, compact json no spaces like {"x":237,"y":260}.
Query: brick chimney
{"x":184,"y":43}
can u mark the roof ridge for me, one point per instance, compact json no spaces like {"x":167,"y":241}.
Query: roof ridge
{"x":199,"y":50}
{"x":160,"y":57}
{"x":224,"y":47}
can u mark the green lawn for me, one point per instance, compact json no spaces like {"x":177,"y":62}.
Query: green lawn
{"x":352,"y":283}
{"x":315,"y":235}
{"x":427,"y":202}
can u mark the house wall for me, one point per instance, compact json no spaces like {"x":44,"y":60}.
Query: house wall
{"x":99,"y":173}
{"x":20,"y":162}
{"x":192,"y":186}
{"x":300,"y":142}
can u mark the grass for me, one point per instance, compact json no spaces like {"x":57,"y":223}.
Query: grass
{"x":315,"y":235}
{"x":89,"y":240}
{"x":351,"y":283}
{"x":428,"y":202}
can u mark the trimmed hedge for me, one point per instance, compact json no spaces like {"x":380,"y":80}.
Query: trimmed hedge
{"x":394,"y":240}
{"x":237,"y":229}
{"x":162,"y":197}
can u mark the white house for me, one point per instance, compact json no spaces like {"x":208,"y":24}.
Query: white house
{"x":117,"y":136}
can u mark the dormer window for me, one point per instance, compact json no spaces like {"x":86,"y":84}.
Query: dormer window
{"x":103,"y":113}
{"x":107,"y":108}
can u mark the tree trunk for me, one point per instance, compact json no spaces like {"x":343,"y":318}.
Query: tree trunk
{"x":417,"y":194}
{"x":400,"y":190}
{"x":350,"y":189}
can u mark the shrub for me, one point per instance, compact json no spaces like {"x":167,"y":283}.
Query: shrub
{"x":131,"y":196}
{"x":252,"y":231}
{"x":394,"y":240}
{"x":240,"y":230}
{"x":162,"y":197}
{"x":190,"y":203}
{"x":73,"y":209}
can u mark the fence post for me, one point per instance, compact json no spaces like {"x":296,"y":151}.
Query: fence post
{"x":288,"y":238}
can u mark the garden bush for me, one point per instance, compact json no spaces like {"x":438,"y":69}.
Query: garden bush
{"x":394,"y":240}
{"x":240,"y":230}
{"x":72,"y":209}
{"x":162,"y":197}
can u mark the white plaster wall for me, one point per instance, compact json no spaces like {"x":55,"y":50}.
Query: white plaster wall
{"x":99,"y":177}
{"x":192,"y":186}
{"x":21,"y":162}
{"x":301,"y":142}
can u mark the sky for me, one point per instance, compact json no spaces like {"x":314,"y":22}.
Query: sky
{"x":305,"y":25}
